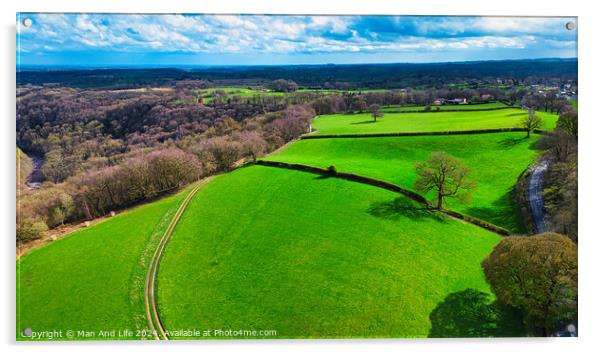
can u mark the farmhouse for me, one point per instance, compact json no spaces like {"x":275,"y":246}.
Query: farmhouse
{"x":456,"y":101}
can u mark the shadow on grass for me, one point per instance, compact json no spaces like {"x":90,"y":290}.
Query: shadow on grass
{"x":539,"y":144}
{"x":323,"y":176}
{"x":503,"y":212}
{"x":522,"y":113}
{"x":365,"y":122}
{"x":512,"y":142}
{"x":402,"y":206}
{"x":469,"y":314}
{"x":535,"y":142}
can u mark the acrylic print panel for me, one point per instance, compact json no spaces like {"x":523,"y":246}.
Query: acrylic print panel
{"x":265,"y":177}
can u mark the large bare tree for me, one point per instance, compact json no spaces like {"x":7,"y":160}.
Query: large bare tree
{"x":531,"y":122}
{"x":444,"y":174}
{"x":375,"y":111}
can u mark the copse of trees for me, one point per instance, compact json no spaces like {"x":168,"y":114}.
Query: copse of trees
{"x":538,"y":275}
{"x":146,"y":172}
{"x":282,"y":85}
{"x":546,"y":101}
{"x":568,"y":123}
{"x":561,"y":182}
{"x":138,"y":178}
{"x":445,"y":175}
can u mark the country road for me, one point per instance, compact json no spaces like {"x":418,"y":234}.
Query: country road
{"x":535,"y":197}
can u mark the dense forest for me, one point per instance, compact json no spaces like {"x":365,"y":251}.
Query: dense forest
{"x":364,"y":76}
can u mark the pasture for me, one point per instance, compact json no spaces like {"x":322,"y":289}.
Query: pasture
{"x":363,"y":123}
{"x":462,"y":107}
{"x":496,"y":161}
{"x":265,"y":248}
{"x":93,"y":279}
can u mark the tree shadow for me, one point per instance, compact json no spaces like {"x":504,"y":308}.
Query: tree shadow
{"x":365,"y":122}
{"x":323,"y":176}
{"x":539,"y":144}
{"x":470,"y":314}
{"x":402,"y":206}
{"x":503,"y":212}
{"x":512,"y":142}
{"x":536,"y":144}
{"x":515,"y":114}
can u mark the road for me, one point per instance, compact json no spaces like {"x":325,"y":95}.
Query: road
{"x":536,"y":197}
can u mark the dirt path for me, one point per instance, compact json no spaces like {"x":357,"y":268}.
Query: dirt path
{"x":152,"y":314}
{"x":535,"y":197}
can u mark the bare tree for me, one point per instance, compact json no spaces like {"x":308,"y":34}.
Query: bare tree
{"x":531,"y":122}
{"x":444,"y":174}
{"x":375,"y":111}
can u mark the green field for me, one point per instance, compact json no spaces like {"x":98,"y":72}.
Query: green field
{"x":246,"y":92}
{"x":363,"y":123}
{"x":235,"y":91}
{"x":271,"y":249}
{"x":496,"y":161}
{"x":93,"y":279}
{"x":464,"y":107}
{"x":265,"y":248}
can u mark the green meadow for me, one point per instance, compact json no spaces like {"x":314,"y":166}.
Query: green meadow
{"x":496,"y":160}
{"x":463,"y":107}
{"x":93,"y":279}
{"x":363,"y":123}
{"x":264,"y":248}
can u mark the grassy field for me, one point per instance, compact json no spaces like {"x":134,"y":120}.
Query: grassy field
{"x":464,"y":107}
{"x":245,"y":92}
{"x":264,"y":248}
{"x":232,"y":91}
{"x":363,"y":123}
{"x":93,"y":280}
{"x":496,"y":161}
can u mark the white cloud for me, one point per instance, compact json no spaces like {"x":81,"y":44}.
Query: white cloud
{"x":280,"y":34}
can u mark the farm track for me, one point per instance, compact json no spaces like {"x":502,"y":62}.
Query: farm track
{"x":152,"y":313}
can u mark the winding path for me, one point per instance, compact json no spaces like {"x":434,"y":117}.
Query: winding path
{"x":535,"y":196}
{"x":152,"y":314}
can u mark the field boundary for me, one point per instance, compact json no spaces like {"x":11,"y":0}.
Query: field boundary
{"x":152,"y":313}
{"x":448,"y":132}
{"x":388,"y":186}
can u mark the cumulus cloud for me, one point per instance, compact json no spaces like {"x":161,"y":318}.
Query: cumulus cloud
{"x":286,"y":34}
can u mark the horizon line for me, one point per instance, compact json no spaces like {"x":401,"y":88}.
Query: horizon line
{"x":180,"y":66}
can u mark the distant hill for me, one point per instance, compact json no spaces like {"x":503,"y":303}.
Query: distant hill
{"x":356,"y":76}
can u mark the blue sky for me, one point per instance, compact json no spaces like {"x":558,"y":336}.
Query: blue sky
{"x":188,"y":40}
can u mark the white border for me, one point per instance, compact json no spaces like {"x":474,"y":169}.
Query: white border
{"x":589,"y":85}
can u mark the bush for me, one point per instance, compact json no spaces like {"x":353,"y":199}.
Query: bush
{"x":332,"y":170}
{"x":30,"y":229}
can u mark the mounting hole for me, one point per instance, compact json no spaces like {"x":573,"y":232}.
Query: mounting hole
{"x":27,"y":22}
{"x":570,"y":25}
